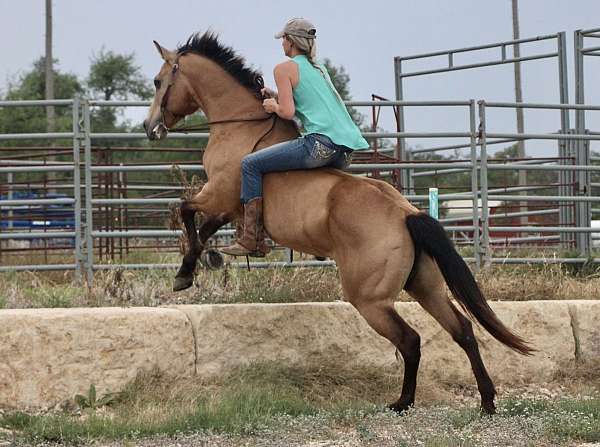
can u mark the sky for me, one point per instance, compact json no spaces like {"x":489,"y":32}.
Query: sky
{"x":362,"y":36}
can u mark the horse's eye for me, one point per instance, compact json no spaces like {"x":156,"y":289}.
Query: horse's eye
{"x":157,"y":83}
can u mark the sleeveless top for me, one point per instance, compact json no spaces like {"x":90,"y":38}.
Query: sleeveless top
{"x":320,"y":108}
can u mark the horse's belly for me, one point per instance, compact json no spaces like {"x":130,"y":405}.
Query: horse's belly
{"x":296,"y":210}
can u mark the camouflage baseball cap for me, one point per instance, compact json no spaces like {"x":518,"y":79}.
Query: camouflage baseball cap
{"x":298,"y":27}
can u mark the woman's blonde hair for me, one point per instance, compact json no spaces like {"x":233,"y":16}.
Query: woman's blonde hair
{"x":309,"y":48}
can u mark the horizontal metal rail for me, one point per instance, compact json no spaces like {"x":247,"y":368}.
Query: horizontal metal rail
{"x":36,"y":103}
{"x":585,"y":32}
{"x":242,"y":265}
{"x":27,"y":163}
{"x":155,"y":201}
{"x":478,"y":65}
{"x":389,"y":103}
{"x":146,"y":168}
{"x":36,"y":136}
{"x":501,"y":216}
{"x":372,"y":135}
{"x":544,"y":229}
{"x":522,"y":167}
{"x":61,"y":201}
{"x":52,"y":168}
{"x":143,"y":136}
{"x":490,"y":163}
{"x":534,"y":105}
{"x":507,"y":198}
{"x":519,"y":240}
{"x":478,"y":47}
{"x":38,"y":267}
{"x":459,"y":146}
{"x":151,"y":233}
{"x":385,"y":103}
{"x":545,"y":260}
{"x":38,"y":235}
{"x":543,"y":136}
{"x":352,"y":167}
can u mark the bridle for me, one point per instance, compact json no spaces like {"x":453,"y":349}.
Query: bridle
{"x":206,"y":126}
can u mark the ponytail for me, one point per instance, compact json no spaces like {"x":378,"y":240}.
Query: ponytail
{"x":309,"y":48}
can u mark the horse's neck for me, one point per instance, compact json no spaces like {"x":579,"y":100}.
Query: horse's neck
{"x":221,"y":96}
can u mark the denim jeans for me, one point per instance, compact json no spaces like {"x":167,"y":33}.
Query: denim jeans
{"x":307,"y":152}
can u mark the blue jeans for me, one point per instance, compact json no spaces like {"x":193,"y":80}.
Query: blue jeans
{"x":307,"y":152}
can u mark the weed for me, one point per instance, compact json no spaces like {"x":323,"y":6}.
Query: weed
{"x":90,"y":401}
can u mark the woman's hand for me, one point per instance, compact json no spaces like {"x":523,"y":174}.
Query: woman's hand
{"x":270,"y":105}
{"x":266,"y":92}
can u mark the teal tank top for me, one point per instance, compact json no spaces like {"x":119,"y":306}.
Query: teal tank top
{"x":321,"y":110}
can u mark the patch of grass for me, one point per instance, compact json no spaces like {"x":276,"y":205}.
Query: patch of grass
{"x":448,"y":441}
{"x":267,"y":400}
{"x":243,"y":402}
{"x":563,"y":418}
{"x":61,"y":295}
{"x":464,"y":417}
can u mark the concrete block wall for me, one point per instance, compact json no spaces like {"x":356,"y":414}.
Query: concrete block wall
{"x":47,"y":356}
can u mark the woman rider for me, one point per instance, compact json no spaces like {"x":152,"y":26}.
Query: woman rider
{"x":304,"y":90}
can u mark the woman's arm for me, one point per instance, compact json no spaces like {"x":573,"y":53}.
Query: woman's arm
{"x":285,"y":75}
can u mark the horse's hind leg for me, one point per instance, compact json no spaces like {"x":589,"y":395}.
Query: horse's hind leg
{"x":196,"y":241}
{"x":372,"y":286}
{"x":428,"y":288}
{"x":384,"y":319}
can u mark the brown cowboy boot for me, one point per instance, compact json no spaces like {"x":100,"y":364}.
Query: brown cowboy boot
{"x":250,"y":240}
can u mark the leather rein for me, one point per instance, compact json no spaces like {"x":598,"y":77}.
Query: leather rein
{"x":206,"y":126}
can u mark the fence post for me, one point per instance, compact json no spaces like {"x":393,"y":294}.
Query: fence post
{"x":564,"y":177}
{"x":485,"y":222}
{"x":400,"y":152}
{"x":583,"y":215}
{"x":77,"y":188}
{"x":434,"y":203}
{"x":89,"y":224}
{"x":474,"y":189}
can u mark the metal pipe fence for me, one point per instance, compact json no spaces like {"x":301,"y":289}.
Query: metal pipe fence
{"x":476,"y":227}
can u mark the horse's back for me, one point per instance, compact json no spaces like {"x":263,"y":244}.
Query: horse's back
{"x":312,"y":210}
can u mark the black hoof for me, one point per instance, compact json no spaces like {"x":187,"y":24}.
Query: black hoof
{"x":398,"y":407}
{"x":488,"y":408}
{"x":182,"y":283}
{"x":212,"y":259}
{"x":320,"y":258}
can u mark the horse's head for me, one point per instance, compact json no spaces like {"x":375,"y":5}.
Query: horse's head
{"x":174,"y":98}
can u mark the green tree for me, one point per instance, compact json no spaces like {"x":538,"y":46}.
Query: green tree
{"x":114,"y":77}
{"x":32,"y":85}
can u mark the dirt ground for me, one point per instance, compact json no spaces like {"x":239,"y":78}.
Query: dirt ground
{"x":444,"y":416}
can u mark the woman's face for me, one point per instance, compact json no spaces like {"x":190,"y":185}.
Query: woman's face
{"x":287,"y":46}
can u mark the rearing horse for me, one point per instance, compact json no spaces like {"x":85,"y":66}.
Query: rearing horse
{"x":379,"y":241}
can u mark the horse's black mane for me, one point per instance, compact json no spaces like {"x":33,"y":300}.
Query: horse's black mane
{"x":208,"y":45}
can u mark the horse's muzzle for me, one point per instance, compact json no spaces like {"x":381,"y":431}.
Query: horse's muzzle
{"x":156,"y":132}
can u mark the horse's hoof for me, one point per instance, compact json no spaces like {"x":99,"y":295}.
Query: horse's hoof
{"x":182,"y":283}
{"x":212,"y":259}
{"x":399,"y":408}
{"x":320,"y":258}
{"x":488,"y":408}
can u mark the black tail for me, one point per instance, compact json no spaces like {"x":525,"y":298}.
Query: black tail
{"x":429,"y":236}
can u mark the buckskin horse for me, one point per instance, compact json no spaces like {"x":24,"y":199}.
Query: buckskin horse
{"x":380,"y":242}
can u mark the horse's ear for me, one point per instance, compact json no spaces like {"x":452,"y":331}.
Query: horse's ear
{"x":167,"y":55}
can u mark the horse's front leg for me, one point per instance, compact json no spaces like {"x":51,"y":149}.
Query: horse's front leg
{"x":196,"y":241}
